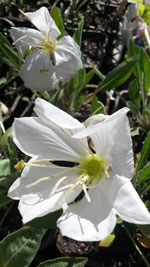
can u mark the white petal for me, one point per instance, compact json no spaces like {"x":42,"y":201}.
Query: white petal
{"x":32,"y":174}
{"x":89,"y":221}
{"x":82,"y":229}
{"x":121,"y":147}
{"x":68,"y":58}
{"x":94,"y":127}
{"x":25,"y":37}
{"x":38,"y":73}
{"x":35,"y":200}
{"x":42,"y":20}
{"x":49,"y":112}
{"x":33,"y":137}
{"x":112,"y":139}
{"x":130,"y":207}
{"x":95,"y":119}
{"x":95,"y":220}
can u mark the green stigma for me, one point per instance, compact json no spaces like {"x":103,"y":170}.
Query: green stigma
{"x":94,"y":168}
{"x":48,"y":45}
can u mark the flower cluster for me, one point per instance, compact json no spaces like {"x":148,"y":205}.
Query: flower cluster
{"x":49,"y":62}
{"x":101,"y":170}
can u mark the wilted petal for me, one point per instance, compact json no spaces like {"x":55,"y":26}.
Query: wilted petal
{"x":42,"y":20}
{"x":38,"y":73}
{"x":25,"y":38}
{"x":68,"y":58}
{"x":33,"y":137}
{"x":48,"y":112}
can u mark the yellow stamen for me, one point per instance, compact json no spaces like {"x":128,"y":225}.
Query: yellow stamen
{"x":20,"y":165}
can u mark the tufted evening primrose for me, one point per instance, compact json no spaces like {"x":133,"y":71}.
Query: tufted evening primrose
{"x":102,"y":171}
{"x":49,"y":62}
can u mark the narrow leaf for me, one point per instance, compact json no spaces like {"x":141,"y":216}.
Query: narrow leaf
{"x":97,"y":107}
{"x":144,"y":153}
{"x":8,"y":55}
{"x":20,"y":247}
{"x":145,"y":67}
{"x":88,"y":77}
{"x":144,"y":174}
{"x":4,"y":141}
{"x":56,"y":15}
{"x":78,"y":33}
{"x":134,"y":50}
{"x":134,"y":93}
{"x":81,"y":78}
{"x":65,"y":262}
{"x":118,"y":75}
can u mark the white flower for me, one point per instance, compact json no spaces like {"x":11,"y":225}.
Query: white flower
{"x":50,"y":61}
{"x":104,"y":175}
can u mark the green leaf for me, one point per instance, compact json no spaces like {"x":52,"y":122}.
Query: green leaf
{"x":19,"y":248}
{"x":96,"y":107}
{"x":65,"y":262}
{"x":144,"y":153}
{"x":144,"y":174}
{"x":133,"y":108}
{"x":145,"y":229}
{"x":4,"y":140}
{"x":47,"y":221}
{"x":118,"y":75}
{"x":88,"y":77}
{"x":134,"y":93}
{"x":145,"y":67}
{"x":8,"y":55}
{"x":4,"y":200}
{"x":134,"y":50}
{"x":81,"y":78}
{"x":78,"y":33}
{"x":5,"y":167}
{"x":57,"y":96}
{"x":56,"y":15}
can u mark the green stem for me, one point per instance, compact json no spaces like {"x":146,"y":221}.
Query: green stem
{"x":6,"y":213}
{"x":144,"y":189}
{"x":98,"y":72}
{"x":137,"y":247}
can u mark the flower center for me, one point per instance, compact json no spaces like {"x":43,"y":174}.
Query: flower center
{"x":93,"y":167}
{"x":48,"y":45}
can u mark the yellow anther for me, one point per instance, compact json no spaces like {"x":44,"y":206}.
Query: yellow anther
{"x":20,"y":165}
